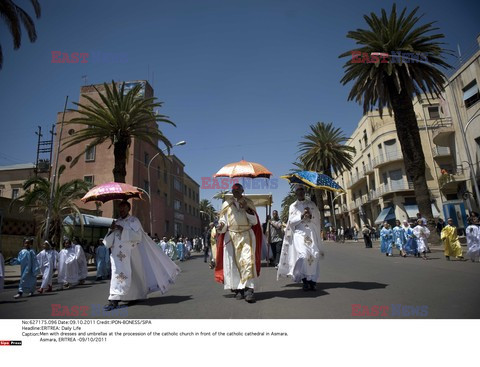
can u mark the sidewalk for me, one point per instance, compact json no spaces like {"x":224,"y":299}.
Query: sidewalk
{"x":12,"y":273}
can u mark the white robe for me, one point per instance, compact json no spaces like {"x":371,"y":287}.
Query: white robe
{"x":68,"y":266}
{"x":46,"y":260}
{"x":139,"y":266}
{"x":302,"y":246}
{"x":473,"y":241}
{"x":421,"y":233}
{"x":82,"y":262}
{"x":2,"y":272}
{"x":239,"y":246}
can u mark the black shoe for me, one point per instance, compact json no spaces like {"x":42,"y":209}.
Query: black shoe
{"x":239,"y":294}
{"x":305,"y":286}
{"x":98,"y":279}
{"x":111,"y":305}
{"x":447,"y":258}
{"x":312,"y":285}
{"x":249,"y":297}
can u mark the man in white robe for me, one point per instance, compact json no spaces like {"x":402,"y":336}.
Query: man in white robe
{"x":47,"y":262}
{"x":139,"y":266}
{"x":238,"y":246}
{"x":82,"y":261}
{"x":473,"y":239}
{"x":302,"y":248}
{"x":68,"y":265}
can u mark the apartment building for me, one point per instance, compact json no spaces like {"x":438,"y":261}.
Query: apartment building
{"x":170,"y":206}
{"x":378,"y":188}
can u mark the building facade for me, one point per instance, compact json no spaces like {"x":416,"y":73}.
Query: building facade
{"x":378,"y":188}
{"x":96,"y":164}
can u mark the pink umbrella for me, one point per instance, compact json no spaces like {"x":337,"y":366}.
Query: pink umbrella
{"x":112,"y":191}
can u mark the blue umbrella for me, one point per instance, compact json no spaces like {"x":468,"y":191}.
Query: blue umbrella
{"x":314,"y":180}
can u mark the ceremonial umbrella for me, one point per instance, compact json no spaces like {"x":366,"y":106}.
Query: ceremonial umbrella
{"x":243,"y":169}
{"x":314,"y":180}
{"x":112,"y":191}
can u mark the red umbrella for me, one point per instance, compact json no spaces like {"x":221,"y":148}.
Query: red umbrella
{"x":112,"y":191}
{"x":243,"y":169}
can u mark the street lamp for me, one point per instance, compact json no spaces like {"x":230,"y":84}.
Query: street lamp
{"x":183,"y":142}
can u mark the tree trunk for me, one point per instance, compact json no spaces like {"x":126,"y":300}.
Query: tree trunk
{"x":120,"y":169}
{"x":409,"y":136}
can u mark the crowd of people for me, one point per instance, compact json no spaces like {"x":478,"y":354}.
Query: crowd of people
{"x":137,"y":263}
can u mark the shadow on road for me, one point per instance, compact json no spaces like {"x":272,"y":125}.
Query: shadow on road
{"x":164,"y":300}
{"x":364,"y":286}
{"x":290,"y":293}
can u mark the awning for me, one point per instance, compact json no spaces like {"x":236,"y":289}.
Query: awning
{"x":385,"y":215}
{"x":89,"y":221}
{"x":412,"y":211}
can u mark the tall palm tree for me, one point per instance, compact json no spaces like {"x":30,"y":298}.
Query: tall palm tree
{"x":393,"y":85}
{"x":221,"y":195}
{"x":208,"y":212}
{"x":37,"y":197}
{"x":324,"y":150}
{"x":286,"y":202}
{"x":14,"y":16}
{"x":120,"y":118}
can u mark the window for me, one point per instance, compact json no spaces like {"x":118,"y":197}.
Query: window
{"x":146,"y":158}
{"x":166,"y":199}
{"x":167,"y":226}
{"x":165,"y":176}
{"x":185,"y":189}
{"x":185,"y":207}
{"x":88,"y":179}
{"x":433,"y":112}
{"x":471,"y":94}
{"x":177,"y":205}
{"x":15,"y":193}
{"x":365,"y":138}
{"x":90,"y":154}
{"x":177,"y":184}
{"x":190,"y":210}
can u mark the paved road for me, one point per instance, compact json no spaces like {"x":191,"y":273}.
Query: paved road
{"x":350,"y":275}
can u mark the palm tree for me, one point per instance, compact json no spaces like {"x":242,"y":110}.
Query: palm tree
{"x":286,"y":202}
{"x":208,"y":212}
{"x":393,"y":85}
{"x":37,"y":197}
{"x":120,"y":118}
{"x":14,"y":16}
{"x":324,"y":151}
{"x":221,"y":195}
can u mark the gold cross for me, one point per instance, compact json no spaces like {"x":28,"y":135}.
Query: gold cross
{"x":121,"y":256}
{"x":121,"y":277}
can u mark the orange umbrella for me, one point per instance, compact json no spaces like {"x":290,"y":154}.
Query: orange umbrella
{"x":243,"y":169}
{"x":111,"y":191}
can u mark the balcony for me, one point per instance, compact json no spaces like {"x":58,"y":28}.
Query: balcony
{"x":441,"y":152}
{"x":443,"y":135}
{"x":368,"y":169}
{"x":357,"y":178}
{"x":387,"y":158}
{"x":449,"y":180}
{"x":395,"y":186}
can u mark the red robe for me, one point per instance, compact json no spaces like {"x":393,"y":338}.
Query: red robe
{"x":257,"y":230}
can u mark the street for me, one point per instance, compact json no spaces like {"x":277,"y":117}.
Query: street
{"x":351,"y":275}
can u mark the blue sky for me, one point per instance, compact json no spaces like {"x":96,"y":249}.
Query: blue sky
{"x":240,"y":78}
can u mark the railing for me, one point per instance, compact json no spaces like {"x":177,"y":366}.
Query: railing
{"x":388,"y":157}
{"x":440,"y":151}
